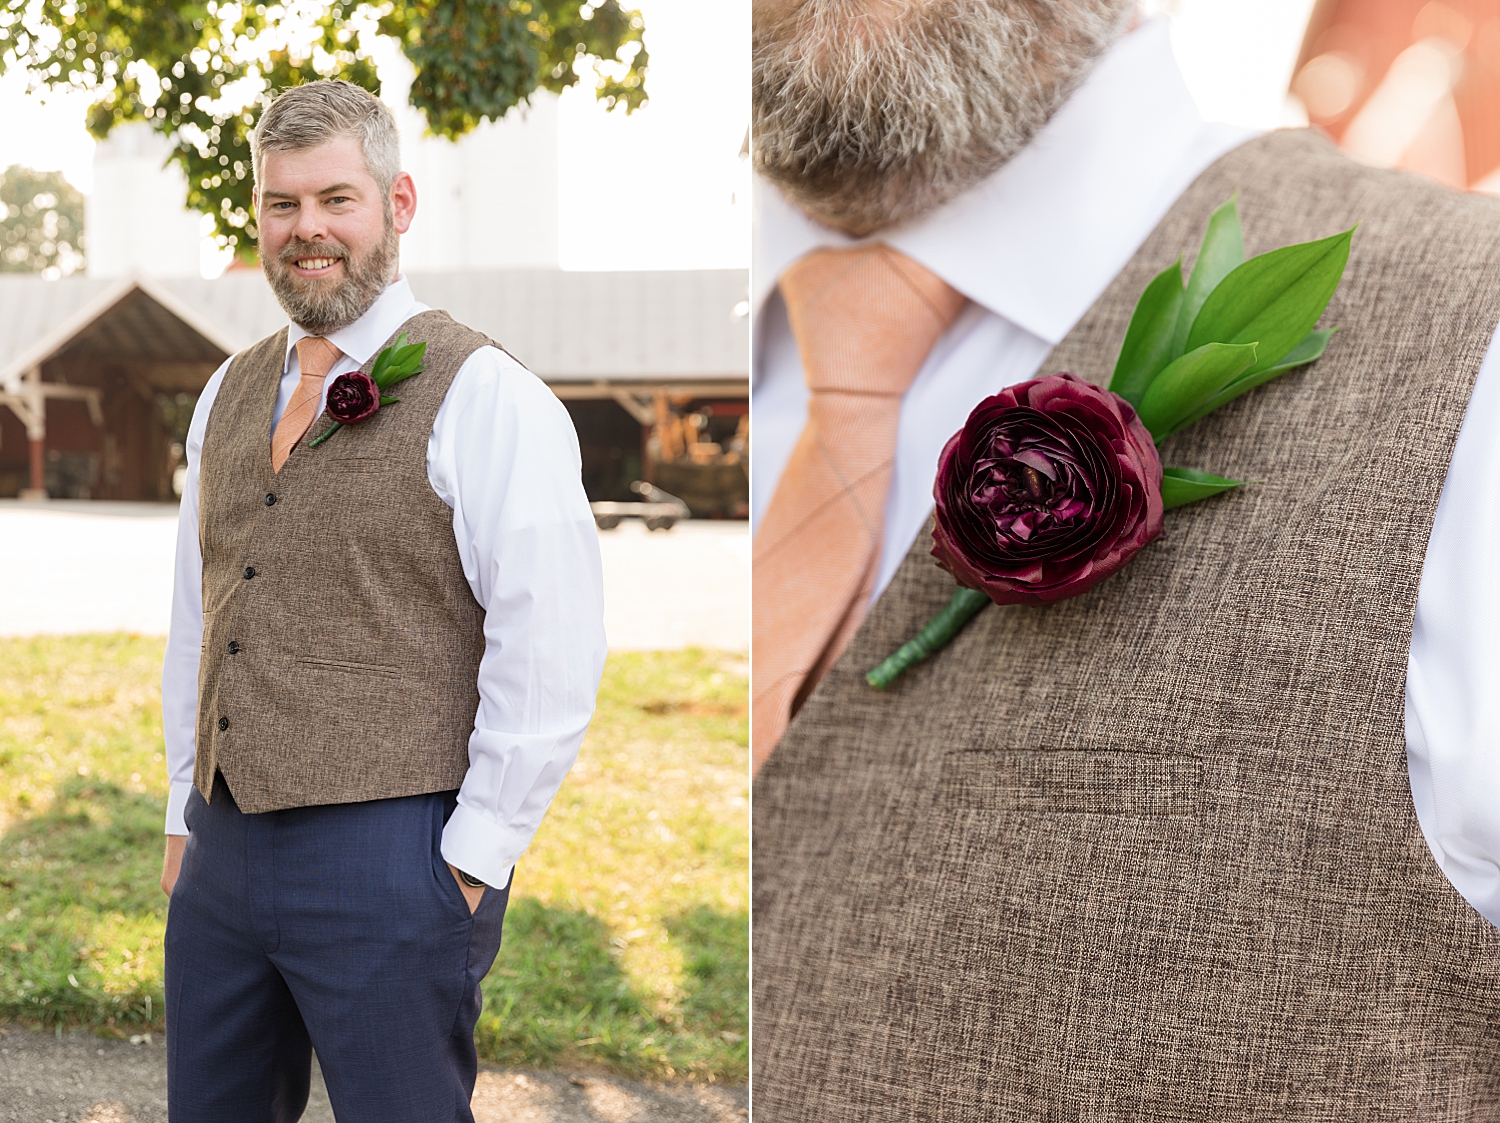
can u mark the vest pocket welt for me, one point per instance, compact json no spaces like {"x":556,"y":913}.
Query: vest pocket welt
{"x":351,"y":667}
{"x":360,"y":464}
{"x":1067,"y":781}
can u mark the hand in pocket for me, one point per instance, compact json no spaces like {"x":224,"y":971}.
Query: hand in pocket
{"x":472,"y":894}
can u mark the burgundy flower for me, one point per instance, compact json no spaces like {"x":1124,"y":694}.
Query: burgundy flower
{"x":1050,"y":486}
{"x":353,"y":397}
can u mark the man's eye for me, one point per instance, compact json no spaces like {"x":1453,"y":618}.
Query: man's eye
{"x":282,"y":206}
{"x":340,"y":199}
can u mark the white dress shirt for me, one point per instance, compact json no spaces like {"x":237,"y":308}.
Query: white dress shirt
{"x":503,"y":455}
{"x":1033,"y":247}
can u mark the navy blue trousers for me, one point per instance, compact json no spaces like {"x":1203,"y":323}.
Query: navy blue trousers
{"x":335,"y":928}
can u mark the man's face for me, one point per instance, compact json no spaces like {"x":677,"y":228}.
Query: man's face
{"x":328,"y":234}
{"x":871,"y":112}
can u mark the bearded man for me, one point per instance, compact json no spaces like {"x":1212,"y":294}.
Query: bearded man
{"x":1219,"y":838}
{"x":384,"y":652}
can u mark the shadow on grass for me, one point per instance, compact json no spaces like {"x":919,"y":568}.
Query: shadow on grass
{"x":558,"y":996}
{"x":82,"y":916}
{"x":81,"y":910}
{"x":716,"y":957}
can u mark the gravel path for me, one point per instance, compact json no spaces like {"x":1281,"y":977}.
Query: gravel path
{"x":79,"y":1078}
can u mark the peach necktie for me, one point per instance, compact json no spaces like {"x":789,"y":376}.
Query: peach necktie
{"x":316,"y":357}
{"x":864,"y":320}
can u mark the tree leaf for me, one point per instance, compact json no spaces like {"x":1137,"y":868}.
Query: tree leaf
{"x":1181,"y":486}
{"x":1148,"y":339}
{"x":471,"y":62}
{"x":41,"y":222}
{"x":1273,"y":299}
{"x":1187,"y":384}
{"x":1222,"y":251}
{"x":1309,"y":349}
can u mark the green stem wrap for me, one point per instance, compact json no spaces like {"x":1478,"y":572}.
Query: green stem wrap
{"x":939,"y":630}
{"x":323,"y":436}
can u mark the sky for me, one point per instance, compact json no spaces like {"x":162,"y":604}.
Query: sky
{"x":666,"y":188}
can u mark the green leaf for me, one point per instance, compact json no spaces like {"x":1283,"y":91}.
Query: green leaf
{"x":397,"y":362}
{"x":1187,"y":384}
{"x":402,"y":376}
{"x":1148,"y":339}
{"x":380,"y":369}
{"x":1273,"y":299}
{"x":386,"y":400}
{"x":1310,"y":348}
{"x":1181,"y":486}
{"x":1222,"y":251}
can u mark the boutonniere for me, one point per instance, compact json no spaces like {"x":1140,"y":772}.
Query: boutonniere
{"x":357,"y":395}
{"x":1054,"y":484}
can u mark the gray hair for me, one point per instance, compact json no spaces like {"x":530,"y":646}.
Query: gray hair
{"x":314,"y":113}
{"x":870,"y":112}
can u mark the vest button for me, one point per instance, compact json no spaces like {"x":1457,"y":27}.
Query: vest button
{"x":234,"y":647}
{"x":249,"y":572}
{"x":223,"y":724}
{"x":270,"y":499}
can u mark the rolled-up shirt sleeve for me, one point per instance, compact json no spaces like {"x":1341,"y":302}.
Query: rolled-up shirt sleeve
{"x":504,"y":456}
{"x":179,"y":673}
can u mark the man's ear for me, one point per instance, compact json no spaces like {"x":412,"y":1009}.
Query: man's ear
{"x":403,"y":202}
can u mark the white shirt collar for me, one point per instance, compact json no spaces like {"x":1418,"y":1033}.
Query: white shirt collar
{"x":361,"y":339}
{"x":1107,"y":157}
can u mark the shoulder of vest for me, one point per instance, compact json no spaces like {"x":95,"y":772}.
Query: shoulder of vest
{"x":1299,"y":173}
{"x":445,"y":337}
{"x":438,"y":324}
{"x":271,"y":349}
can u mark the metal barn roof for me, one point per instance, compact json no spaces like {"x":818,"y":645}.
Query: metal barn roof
{"x":566,"y":327}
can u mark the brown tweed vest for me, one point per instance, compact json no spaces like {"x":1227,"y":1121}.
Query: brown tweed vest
{"x":1150,"y":853}
{"x":341,"y":642}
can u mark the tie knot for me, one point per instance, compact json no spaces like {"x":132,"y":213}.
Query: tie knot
{"x":866,"y":318}
{"x":316,"y":356}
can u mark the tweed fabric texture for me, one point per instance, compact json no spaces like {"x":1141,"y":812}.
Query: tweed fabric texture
{"x":1150,"y":853}
{"x":357,"y":640}
{"x":864,"y":320}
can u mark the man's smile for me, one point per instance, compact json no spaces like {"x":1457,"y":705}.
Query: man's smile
{"x":315,"y":266}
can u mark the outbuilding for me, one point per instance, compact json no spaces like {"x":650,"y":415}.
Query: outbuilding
{"x":98,"y":378}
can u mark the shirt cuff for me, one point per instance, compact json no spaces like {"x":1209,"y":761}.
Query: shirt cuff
{"x":478,"y":846}
{"x":177,"y":797}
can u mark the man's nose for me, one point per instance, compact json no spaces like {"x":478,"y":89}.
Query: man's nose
{"x":310,"y":225}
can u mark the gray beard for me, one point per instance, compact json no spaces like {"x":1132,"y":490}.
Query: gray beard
{"x":868,"y":113}
{"x":323,"y":306}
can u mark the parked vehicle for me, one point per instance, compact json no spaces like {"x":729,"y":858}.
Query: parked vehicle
{"x":658,"y":509}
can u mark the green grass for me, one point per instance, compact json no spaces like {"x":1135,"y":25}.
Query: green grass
{"x":626,"y":942}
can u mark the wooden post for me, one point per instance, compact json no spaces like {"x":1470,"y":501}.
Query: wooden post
{"x":36,"y":432}
{"x":645,"y":416}
{"x":38,"y":467}
{"x":646,"y":462}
